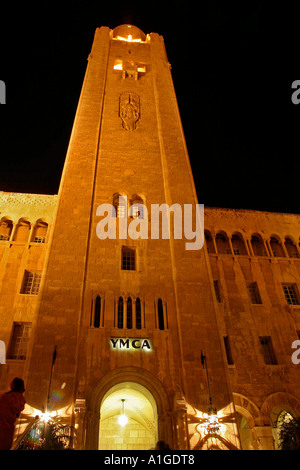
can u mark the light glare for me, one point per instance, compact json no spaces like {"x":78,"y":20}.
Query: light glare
{"x":122,"y":420}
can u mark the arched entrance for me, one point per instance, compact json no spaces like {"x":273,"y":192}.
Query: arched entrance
{"x":128,"y":418}
{"x":146,"y":401}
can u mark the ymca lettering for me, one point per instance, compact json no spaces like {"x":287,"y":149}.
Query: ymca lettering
{"x":130,"y":343}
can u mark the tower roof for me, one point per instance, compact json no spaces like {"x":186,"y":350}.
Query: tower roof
{"x":128,"y":32}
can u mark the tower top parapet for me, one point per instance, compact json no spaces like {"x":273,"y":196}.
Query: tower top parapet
{"x":130,"y":33}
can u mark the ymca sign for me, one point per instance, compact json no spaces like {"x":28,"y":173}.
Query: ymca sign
{"x":130,"y":343}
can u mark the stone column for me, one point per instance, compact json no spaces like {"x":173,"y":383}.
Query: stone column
{"x":180,"y":417}
{"x":213,"y":236}
{"x":92,"y":422}
{"x":80,"y":425}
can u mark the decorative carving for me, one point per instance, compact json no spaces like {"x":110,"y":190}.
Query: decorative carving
{"x":129,"y":110}
{"x":27,"y":199}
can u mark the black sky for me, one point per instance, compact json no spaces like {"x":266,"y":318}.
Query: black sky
{"x":232,"y":67}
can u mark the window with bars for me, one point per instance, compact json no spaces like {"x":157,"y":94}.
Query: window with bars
{"x":19,"y":341}
{"x":267,"y":350}
{"x":291,"y":293}
{"x":39,"y":239}
{"x":31,"y":283}
{"x":40,"y":231}
{"x":253,"y":292}
{"x":128,"y":259}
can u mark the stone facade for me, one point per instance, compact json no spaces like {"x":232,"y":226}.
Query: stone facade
{"x":73,"y":291}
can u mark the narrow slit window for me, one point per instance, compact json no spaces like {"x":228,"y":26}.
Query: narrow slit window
{"x":228,"y":351}
{"x":120,"y":312}
{"x":217,"y":291}
{"x":138,"y":314}
{"x":160,"y":314}
{"x":97,"y":312}
{"x":267,"y":350}
{"x":129,"y":314}
{"x":253,"y":293}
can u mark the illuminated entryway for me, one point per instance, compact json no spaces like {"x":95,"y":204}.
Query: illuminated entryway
{"x":137,"y":429}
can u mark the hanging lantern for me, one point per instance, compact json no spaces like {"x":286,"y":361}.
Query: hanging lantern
{"x":123,"y":420}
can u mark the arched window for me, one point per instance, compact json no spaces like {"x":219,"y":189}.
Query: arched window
{"x":222,"y":242}
{"x":291,"y":248}
{"x":238,"y":244}
{"x":22,"y":230}
{"x":138,"y":314}
{"x":6,"y":227}
{"x":284,"y":440}
{"x":40,"y":231}
{"x":129,"y":314}
{"x":258,"y":245}
{"x":160,"y":315}
{"x":120,"y":205}
{"x":275,"y":244}
{"x":137,"y":207}
{"x":97,"y":312}
{"x":120,"y":312}
{"x":209,"y":242}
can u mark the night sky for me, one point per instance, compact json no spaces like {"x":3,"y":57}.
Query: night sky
{"x":232,"y":67}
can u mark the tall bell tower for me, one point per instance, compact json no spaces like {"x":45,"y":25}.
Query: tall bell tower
{"x":131,"y":316}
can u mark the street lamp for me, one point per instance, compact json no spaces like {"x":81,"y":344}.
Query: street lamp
{"x":213,"y":425}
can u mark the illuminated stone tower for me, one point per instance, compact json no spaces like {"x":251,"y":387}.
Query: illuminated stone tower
{"x":129,"y":317}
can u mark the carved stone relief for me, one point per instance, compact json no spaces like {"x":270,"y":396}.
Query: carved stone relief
{"x":129,"y":110}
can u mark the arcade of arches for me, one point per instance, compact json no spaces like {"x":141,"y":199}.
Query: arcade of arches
{"x":146,"y":409}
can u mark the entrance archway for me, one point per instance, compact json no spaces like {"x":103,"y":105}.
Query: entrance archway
{"x":145,"y":383}
{"x":128,"y":418}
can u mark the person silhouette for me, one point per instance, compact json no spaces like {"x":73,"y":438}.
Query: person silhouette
{"x":162,"y":445}
{"x":12,"y":403}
